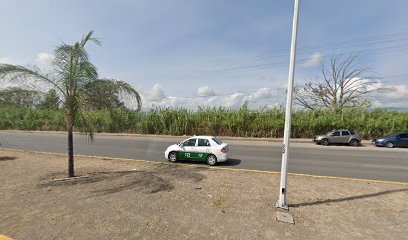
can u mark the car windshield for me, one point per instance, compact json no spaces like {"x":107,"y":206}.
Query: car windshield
{"x":216,"y":140}
{"x":391,"y":135}
{"x":189,"y":143}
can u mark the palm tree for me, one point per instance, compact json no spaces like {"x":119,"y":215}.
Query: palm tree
{"x":72,"y":72}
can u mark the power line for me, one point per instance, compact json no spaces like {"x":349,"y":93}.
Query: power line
{"x":283,"y":63}
{"x":307,"y":49}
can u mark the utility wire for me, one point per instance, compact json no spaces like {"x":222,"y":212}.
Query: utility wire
{"x":333,"y":45}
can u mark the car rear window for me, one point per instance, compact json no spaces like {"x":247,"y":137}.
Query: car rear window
{"x":352,"y":133}
{"x":216,"y":140}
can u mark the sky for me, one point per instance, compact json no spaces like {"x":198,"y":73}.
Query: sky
{"x":184,"y":53}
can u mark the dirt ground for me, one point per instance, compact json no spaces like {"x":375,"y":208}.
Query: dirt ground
{"x":115,"y":199}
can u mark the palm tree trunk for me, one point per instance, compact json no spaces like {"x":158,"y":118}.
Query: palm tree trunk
{"x":70,"y":152}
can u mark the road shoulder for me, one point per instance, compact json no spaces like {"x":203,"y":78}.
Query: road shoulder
{"x":126,"y":199}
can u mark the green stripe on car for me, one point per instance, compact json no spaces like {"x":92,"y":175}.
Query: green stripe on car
{"x":192,"y":155}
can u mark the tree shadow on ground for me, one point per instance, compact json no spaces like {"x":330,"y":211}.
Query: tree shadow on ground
{"x":178,"y":171}
{"x":327,"y":201}
{"x":147,"y":182}
{"x":6,"y":158}
{"x":113,"y":182}
{"x":138,"y":180}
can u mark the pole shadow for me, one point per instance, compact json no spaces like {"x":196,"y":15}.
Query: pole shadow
{"x":347,"y":198}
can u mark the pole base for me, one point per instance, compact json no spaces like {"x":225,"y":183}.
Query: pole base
{"x":286,"y":207}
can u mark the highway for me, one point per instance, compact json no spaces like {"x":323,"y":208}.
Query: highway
{"x":307,"y":158}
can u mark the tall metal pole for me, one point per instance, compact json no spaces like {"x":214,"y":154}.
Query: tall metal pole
{"x":288,"y":116}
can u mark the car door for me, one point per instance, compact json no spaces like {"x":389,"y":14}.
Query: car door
{"x":345,"y":137}
{"x":403,"y":140}
{"x":203,"y":148}
{"x":188,"y":148}
{"x":335,"y":137}
{"x":193,"y":151}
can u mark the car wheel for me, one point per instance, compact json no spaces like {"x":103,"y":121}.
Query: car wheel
{"x":324,"y":142}
{"x":173,"y":157}
{"x":389,"y":145}
{"x":211,"y":160}
{"x":354,"y":142}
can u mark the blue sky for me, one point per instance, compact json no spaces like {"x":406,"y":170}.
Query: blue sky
{"x":214,"y":53}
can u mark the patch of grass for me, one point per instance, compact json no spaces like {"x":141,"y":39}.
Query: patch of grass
{"x":219,"y":202}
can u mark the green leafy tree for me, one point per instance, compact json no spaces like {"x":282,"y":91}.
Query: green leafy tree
{"x":51,"y":100}
{"x":19,"y":97}
{"x":104,"y":94}
{"x":71,"y":74}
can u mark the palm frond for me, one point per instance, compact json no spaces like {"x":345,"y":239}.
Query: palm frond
{"x":21,"y":74}
{"x":72,"y":65}
{"x":89,"y":37}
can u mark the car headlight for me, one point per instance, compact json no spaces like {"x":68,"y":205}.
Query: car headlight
{"x":381,"y":140}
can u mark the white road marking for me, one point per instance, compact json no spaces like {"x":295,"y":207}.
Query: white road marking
{"x":387,"y":166}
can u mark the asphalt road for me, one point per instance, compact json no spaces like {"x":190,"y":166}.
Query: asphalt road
{"x":341,"y":161}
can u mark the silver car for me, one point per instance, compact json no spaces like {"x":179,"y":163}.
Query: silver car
{"x":342,"y":136}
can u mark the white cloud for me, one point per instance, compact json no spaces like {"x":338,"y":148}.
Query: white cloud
{"x":261,"y":97}
{"x":367,"y":84}
{"x":396,"y":91}
{"x":156,"y":93}
{"x":314,"y":60}
{"x":4,"y":60}
{"x":261,"y":94}
{"x":232,"y":101}
{"x":44,"y":59}
{"x":395,"y":96}
{"x":205,"y":91}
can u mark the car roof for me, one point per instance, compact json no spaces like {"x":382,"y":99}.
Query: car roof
{"x":202,"y":136}
{"x":397,"y":133}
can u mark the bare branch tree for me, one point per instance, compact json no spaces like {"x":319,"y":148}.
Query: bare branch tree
{"x":343,"y":83}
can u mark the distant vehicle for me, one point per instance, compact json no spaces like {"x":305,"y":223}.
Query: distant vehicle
{"x":201,"y":148}
{"x":393,"y":140}
{"x":342,"y":136}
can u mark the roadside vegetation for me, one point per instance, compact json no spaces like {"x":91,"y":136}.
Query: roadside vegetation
{"x":243,"y":122}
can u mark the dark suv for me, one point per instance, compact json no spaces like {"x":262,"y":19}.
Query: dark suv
{"x":342,"y":136}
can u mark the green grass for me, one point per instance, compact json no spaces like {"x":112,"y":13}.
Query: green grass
{"x":243,"y":122}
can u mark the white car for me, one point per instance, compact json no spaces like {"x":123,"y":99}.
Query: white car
{"x":200,"y":148}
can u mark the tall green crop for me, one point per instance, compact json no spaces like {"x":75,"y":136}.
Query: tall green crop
{"x":243,"y":122}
